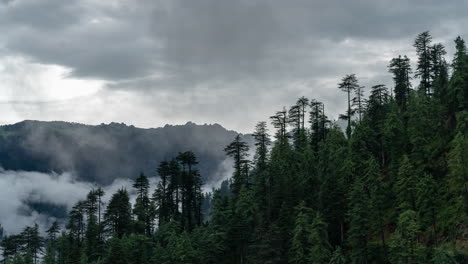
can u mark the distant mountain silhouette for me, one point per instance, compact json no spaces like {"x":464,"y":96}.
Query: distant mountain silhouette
{"x":105,"y":152}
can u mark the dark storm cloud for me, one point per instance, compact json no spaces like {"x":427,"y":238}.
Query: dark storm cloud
{"x":218,"y":36}
{"x":41,"y":15}
{"x":205,"y":39}
{"x":192,"y":56}
{"x":95,"y":40}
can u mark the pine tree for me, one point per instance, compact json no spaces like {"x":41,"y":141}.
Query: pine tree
{"x":404,"y":244}
{"x":401,"y":69}
{"x":349,"y":84}
{"x":99,"y":192}
{"x":18,"y":259}
{"x":261,"y":158}
{"x":438,"y":69}
{"x":406,"y":185}
{"x":280,"y":122}
{"x":118,"y":215}
{"x":92,"y":230}
{"x":359,"y":222}
{"x":183,"y":250}
{"x":378,"y":204}
{"x":332,"y":193}
{"x":138,"y":249}
{"x":376,"y":113}
{"x":376,"y":105}
{"x":162,"y":195}
{"x":318,"y":122}
{"x":175,"y":188}
{"x":32,"y":243}
{"x":423,"y":69}
{"x":394,"y":137}
{"x":117,"y":253}
{"x":262,"y":141}
{"x":143,"y":208}
{"x":11,"y":246}
{"x":456,"y":209}
{"x":457,"y":95}
{"x":427,"y":195}
{"x":191,"y":190}
{"x":359,"y":101}
{"x":76,"y":223}
{"x":296,"y":117}
{"x":320,"y":250}
{"x":51,"y":244}
{"x":246,"y":212}
{"x":238,"y":150}
{"x":300,"y":244}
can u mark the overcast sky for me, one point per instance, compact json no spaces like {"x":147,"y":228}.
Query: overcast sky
{"x":232,"y":62}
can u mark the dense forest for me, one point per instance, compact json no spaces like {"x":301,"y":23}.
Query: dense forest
{"x":391,"y":188}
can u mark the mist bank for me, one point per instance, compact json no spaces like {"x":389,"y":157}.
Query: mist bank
{"x":46,"y":167}
{"x":103,"y":153}
{"x":34,"y":197}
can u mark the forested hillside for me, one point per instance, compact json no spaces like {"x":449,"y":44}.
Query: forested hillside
{"x":106,"y":152}
{"x":392,"y":188}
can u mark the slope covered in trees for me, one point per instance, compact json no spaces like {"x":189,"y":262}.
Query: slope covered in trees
{"x":391,"y":189}
{"x":108,"y":151}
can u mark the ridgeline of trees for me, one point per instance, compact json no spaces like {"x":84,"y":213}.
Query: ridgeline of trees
{"x":392,"y":189}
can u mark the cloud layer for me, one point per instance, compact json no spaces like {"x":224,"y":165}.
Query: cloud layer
{"x":206,"y":61}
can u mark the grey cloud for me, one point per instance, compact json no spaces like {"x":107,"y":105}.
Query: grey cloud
{"x":44,"y":16}
{"x":5,"y":1}
{"x":199,"y":40}
{"x":103,"y":42}
{"x":208,"y":57}
{"x":218,"y":36}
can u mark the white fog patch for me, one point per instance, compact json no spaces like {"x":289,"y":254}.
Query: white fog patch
{"x":19,"y":188}
{"x":225,"y":171}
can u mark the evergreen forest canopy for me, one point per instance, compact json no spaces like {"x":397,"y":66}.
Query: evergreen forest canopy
{"x":392,"y":189}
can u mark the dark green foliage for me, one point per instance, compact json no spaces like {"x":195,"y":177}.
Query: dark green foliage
{"x":332,"y":192}
{"x":300,"y":244}
{"x":404,"y":245}
{"x":359,"y":214}
{"x":117,"y":252}
{"x":338,"y":257}
{"x":320,"y":250}
{"x":405,"y":187}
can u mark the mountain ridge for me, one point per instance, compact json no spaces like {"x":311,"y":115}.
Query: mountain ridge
{"x":102,"y":153}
